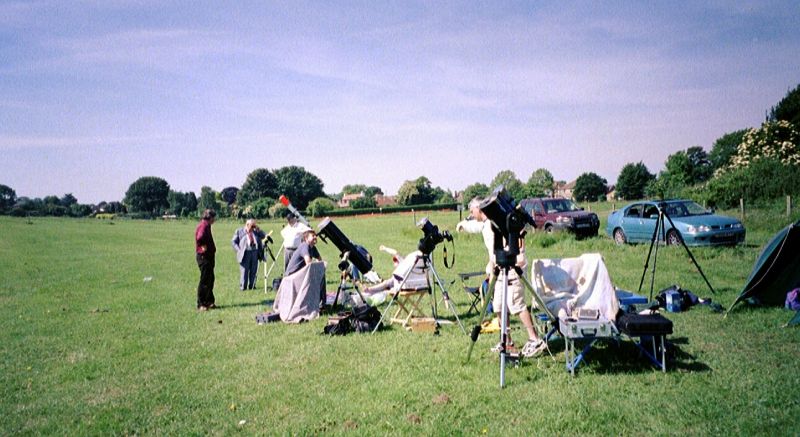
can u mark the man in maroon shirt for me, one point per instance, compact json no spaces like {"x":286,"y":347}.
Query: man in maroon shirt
{"x":205,"y":252}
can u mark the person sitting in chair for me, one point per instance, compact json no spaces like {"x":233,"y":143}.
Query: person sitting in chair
{"x":413,"y":262}
{"x":305,"y":254}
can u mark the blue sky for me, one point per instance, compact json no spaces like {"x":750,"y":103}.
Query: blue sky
{"x":94,"y":94}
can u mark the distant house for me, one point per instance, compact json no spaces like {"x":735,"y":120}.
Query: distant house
{"x":347,"y":198}
{"x":611,"y":194}
{"x":382,"y":200}
{"x":565,"y":189}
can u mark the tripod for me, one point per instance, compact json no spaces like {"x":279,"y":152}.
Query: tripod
{"x":505,"y":264}
{"x":654,"y":242}
{"x":428,"y":268}
{"x":345,"y":277}
{"x":274,"y":258}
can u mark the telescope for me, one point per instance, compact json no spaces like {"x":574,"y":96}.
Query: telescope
{"x":285,"y":201}
{"x":508,"y":221}
{"x":327,"y":230}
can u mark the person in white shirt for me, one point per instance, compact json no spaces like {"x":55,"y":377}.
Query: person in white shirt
{"x":292,"y":235}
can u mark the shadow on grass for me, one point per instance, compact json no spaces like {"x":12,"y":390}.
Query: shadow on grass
{"x":615,"y":357}
{"x":267,"y":303}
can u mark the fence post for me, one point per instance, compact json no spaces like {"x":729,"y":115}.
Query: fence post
{"x":741,"y":208}
{"x":415,"y":216}
{"x":788,"y":206}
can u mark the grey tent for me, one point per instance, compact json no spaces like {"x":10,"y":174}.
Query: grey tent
{"x":776,"y":271}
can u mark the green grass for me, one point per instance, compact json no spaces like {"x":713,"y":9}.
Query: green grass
{"x":89,"y":347}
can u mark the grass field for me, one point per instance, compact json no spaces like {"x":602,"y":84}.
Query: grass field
{"x":100,"y":336}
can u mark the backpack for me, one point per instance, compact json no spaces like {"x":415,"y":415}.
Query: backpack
{"x":365,"y":318}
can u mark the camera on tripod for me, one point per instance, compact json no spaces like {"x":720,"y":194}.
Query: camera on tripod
{"x":508,"y":222}
{"x":431,"y":236}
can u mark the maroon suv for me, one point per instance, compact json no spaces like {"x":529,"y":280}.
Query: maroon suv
{"x":561,"y":214}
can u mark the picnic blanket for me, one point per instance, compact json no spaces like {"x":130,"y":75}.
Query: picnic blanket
{"x":298,"y":296}
{"x":567,"y":284}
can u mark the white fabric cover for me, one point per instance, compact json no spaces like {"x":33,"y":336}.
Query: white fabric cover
{"x":469,"y":226}
{"x":298,"y":296}
{"x":569,"y":283}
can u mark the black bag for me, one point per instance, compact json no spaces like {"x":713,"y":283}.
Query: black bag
{"x":365,"y":318}
{"x":340,"y":324}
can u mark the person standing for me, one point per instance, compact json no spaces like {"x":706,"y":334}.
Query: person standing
{"x":205,"y":252}
{"x":292,"y":235}
{"x":248,"y":244}
{"x":516,"y":291}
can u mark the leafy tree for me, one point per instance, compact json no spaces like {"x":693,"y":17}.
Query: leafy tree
{"x":208,"y":199}
{"x":278,"y":210}
{"x":589,"y":186}
{"x":148,"y":194}
{"x":762,"y":181}
{"x":371,"y":191}
{"x":633,"y":180}
{"x":540,"y":183}
{"x":514,"y":187}
{"x":299,"y":185}
{"x":8,"y":197}
{"x":79,"y":210}
{"x":724,"y":148}
{"x":67,"y":200}
{"x":354,"y":189}
{"x":118,"y":208}
{"x":778,"y":140}
{"x":475,"y":190}
{"x":320,"y":206}
{"x":416,"y":192}
{"x":260,"y":208}
{"x":440,"y":195}
{"x":788,"y":109}
{"x":363,"y":202}
{"x":182,"y":204}
{"x":259,"y":183}
{"x":51,"y":200}
{"x":228,"y":194}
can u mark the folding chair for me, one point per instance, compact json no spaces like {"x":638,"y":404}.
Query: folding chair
{"x":475,"y":293}
{"x":408,"y":304}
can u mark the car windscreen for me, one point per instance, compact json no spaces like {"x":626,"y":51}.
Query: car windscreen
{"x":560,"y":205}
{"x":692,"y":208}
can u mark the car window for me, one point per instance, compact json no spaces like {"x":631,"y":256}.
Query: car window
{"x":650,"y":211}
{"x":537,"y":208}
{"x":692,"y":208}
{"x":633,"y":211}
{"x":553,"y":206}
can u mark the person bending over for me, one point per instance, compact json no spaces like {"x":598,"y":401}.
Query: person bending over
{"x":305,"y":254}
{"x":248,"y":244}
{"x":516,"y":290}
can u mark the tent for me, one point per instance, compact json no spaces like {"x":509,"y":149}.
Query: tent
{"x":776,"y":271}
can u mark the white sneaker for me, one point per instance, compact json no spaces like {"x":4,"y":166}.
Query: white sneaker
{"x":533,"y":348}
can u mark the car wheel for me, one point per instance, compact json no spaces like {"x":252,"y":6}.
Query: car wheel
{"x":619,"y":237}
{"x":673,"y":237}
{"x":548,"y":228}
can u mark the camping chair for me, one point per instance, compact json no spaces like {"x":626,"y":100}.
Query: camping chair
{"x":476,"y":294}
{"x":408,"y":304}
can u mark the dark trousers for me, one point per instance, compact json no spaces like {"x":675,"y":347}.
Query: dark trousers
{"x":205,"y":289}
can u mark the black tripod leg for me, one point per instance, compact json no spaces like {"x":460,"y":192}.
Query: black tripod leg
{"x":476,"y":330}
{"x":691,"y":256}
{"x":653,"y":240}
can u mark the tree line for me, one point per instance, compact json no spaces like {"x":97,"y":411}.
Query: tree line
{"x":760,"y":164}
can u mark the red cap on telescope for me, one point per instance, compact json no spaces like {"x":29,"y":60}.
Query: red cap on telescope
{"x":284,"y":200}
